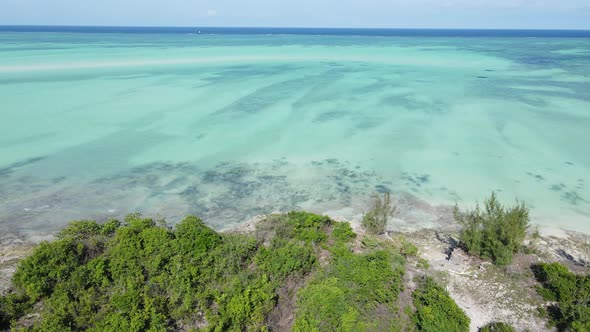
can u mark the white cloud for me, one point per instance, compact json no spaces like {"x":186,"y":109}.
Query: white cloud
{"x":211,"y":12}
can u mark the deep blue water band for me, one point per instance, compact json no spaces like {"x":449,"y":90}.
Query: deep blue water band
{"x":307,"y":31}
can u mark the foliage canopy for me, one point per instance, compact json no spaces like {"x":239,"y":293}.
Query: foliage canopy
{"x":139,"y":275}
{"x":496,"y":232}
{"x":436,"y":311}
{"x":570,"y":294}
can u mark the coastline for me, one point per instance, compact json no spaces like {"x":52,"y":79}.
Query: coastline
{"x":485,"y":292}
{"x":413,"y":214}
{"x":130,"y":119}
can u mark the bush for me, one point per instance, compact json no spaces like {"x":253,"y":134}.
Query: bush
{"x":321,"y":307}
{"x":495,"y":233}
{"x":143,"y":276}
{"x":436,"y":311}
{"x":246,"y":306}
{"x":369,"y":278}
{"x":194,"y":237}
{"x":80,"y":230}
{"x":570,"y":294}
{"x":285,"y":258}
{"x":423,"y":264}
{"x":49,"y":265}
{"x":296,"y":225}
{"x":408,"y":249}
{"x":497,"y":327}
{"x":346,"y":294}
{"x":375,"y":220}
{"x":12,"y":306}
{"x":342,"y":232}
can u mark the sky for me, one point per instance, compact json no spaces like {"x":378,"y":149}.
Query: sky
{"x":502,"y":14}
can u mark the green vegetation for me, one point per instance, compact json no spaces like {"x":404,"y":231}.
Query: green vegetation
{"x":375,"y":220}
{"x":497,"y":327}
{"x":403,"y":246}
{"x":284,"y":258}
{"x":436,"y":311}
{"x":409,"y":250}
{"x":12,"y":307}
{"x":569,"y":293}
{"x":423,"y":264}
{"x":343,"y":232}
{"x":140,"y":275}
{"x":300,"y":268}
{"x":496,"y":232}
{"x":351,"y":293}
{"x":303,"y":226}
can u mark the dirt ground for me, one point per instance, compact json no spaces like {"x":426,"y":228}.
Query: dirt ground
{"x":486,"y":293}
{"x":12,"y":249}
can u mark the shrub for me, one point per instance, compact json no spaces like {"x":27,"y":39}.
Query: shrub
{"x":342,"y":232}
{"x":399,"y":243}
{"x":346,"y":294}
{"x":570,"y":294}
{"x":409,"y":250}
{"x":246,"y":306}
{"x":143,"y":276}
{"x":497,"y":327}
{"x":12,"y":306}
{"x":436,"y":311}
{"x":423,"y":264}
{"x":375,"y":220}
{"x":235,"y":253}
{"x":194,"y":237}
{"x":370,"y":242}
{"x":109,"y":228}
{"x":80,"y":230}
{"x":296,"y":225}
{"x":49,"y":265}
{"x":321,"y":307}
{"x":368,"y":278}
{"x":308,"y":227}
{"x":496,"y":232}
{"x":285,"y":258}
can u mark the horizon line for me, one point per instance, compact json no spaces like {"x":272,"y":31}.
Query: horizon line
{"x":280,"y":27}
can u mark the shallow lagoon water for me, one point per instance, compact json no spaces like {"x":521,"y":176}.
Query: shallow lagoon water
{"x":97,"y":125}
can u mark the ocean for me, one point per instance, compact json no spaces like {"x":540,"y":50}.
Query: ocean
{"x":231,"y":123}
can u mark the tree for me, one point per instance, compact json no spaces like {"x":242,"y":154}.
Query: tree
{"x":375,"y":220}
{"x":496,"y":232}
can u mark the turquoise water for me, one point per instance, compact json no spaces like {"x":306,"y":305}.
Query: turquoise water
{"x":97,"y":125}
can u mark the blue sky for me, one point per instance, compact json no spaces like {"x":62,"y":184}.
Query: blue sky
{"x":534,"y":14}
